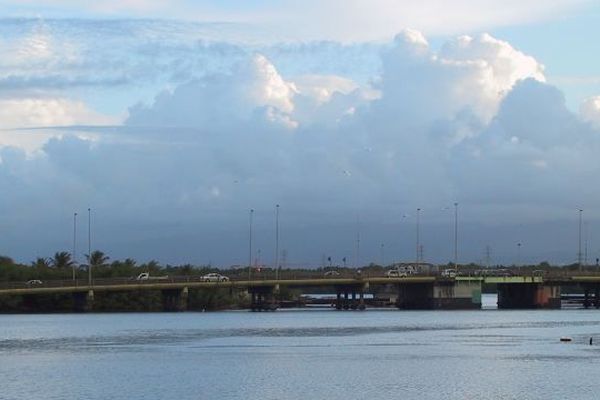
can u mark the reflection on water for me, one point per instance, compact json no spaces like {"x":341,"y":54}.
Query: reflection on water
{"x":324,"y":354}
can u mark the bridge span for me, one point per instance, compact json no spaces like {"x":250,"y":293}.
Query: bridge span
{"x":413,"y":292}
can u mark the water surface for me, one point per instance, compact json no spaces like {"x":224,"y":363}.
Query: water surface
{"x":385,"y":354}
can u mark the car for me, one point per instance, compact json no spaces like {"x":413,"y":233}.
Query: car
{"x":331,"y":274}
{"x":449,"y":273}
{"x":144,"y":276}
{"x":214,"y":277}
{"x":33,"y":282}
{"x":396,"y":273}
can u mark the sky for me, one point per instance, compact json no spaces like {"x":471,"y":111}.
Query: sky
{"x":171,"y":120}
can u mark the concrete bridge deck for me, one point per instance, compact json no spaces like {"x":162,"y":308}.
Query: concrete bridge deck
{"x":413,"y":292}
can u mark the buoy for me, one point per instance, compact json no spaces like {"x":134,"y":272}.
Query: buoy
{"x":565,"y":339}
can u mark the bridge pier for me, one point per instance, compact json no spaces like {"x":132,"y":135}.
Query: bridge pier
{"x":83,"y":301}
{"x":175,"y":299}
{"x":350,"y":301}
{"x":457,"y":295}
{"x":263,"y":298}
{"x":529,"y":295}
{"x":415,"y":296}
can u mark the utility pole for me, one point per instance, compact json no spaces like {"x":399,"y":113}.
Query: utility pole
{"x":488,"y":256}
{"x":382,"y":255}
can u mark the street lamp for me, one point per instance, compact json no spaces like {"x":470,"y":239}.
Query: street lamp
{"x":89,"y":247}
{"x":456,"y":236}
{"x":418,"y":233}
{"x":276,"y":241}
{"x":519,"y":256}
{"x":579,"y":249}
{"x":250,"y":246}
{"x":382,"y":255}
{"x":74,"y":243}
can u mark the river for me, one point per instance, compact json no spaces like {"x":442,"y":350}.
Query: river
{"x":302,"y":354}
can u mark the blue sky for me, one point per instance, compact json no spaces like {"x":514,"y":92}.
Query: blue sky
{"x":172,"y":119}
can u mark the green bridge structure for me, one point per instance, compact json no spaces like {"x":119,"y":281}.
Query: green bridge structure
{"x":413,"y":292}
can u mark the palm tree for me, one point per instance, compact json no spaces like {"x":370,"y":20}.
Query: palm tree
{"x":42,"y":263}
{"x":62,"y":260}
{"x":98,"y":258}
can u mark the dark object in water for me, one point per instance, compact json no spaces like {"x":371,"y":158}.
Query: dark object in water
{"x":565,"y":339}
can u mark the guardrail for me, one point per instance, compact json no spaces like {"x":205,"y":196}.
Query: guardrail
{"x":270,"y":276}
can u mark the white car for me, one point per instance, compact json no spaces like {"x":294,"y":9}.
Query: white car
{"x":144,"y":276}
{"x":395,"y":273}
{"x":33,"y":282}
{"x":331,"y":274}
{"x":449,"y":273}
{"x":214,"y":277}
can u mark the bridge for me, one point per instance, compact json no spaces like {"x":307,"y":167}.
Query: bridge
{"x":413,"y":292}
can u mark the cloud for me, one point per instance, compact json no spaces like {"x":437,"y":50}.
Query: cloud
{"x":473,"y":122}
{"x":339,"y":20}
{"x":253,"y":87}
{"x":590,"y":110}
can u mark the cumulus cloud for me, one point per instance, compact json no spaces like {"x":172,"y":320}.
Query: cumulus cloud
{"x":217,"y":100}
{"x":473,"y":122}
{"x":467,"y":75}
{"x":590,"y":110}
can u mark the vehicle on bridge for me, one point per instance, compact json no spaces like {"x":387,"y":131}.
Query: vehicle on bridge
{"x":33,"y":282}
{"x":145,"y":276}
{"x":331,"y":274}
{"x":401,"y":272}
{"x":449,"y":273}
{"x":214,"y":277}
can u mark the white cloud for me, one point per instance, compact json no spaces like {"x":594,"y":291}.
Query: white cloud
{"x":473,"y":122}
{"x":590,"y":110}
{"x":340,"y":20}
{"x":219,"y":100}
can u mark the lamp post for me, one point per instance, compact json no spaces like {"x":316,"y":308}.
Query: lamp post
{"x":456,"y":236}
{"x":250,"y":246}
{"x":89,"y":247}
{"x":418,"y":233}
{"x":519,"y":256}
{"x":277,"y":242}
{"x":579,"y":248}
{"x":382,"y":255}
{"x":74,"y":243}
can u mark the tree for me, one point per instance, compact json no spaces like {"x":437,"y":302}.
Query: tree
{"x":42,"y":263}
{"x":62,"y":260}
{"x":98,"y":258}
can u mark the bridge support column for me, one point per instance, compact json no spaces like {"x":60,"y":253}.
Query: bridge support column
{"x":353,"y":304}
{"x":175,"y":299}
{"x":346,"y":305}
{"x":83,"y":301}
{"x":528,"y":295}
{"x":338,"y":300}
{"x":263,"y":298}
{"x":457,"y":295}
{"x":586,"y":298}
{"x":361,"y":300}
{"x":597,"y":297}
{"x":415,"y":296}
